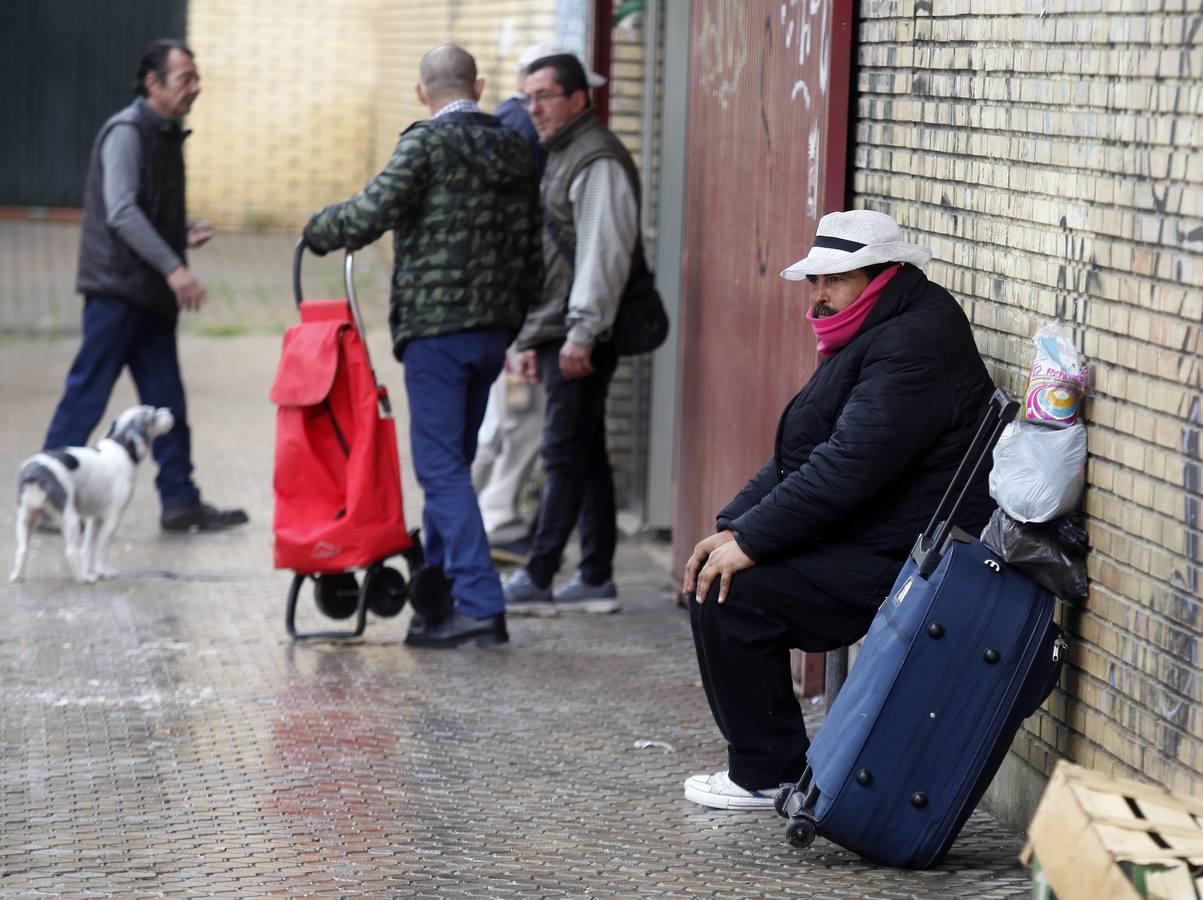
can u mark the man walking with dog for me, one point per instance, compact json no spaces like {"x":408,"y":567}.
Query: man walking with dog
{"x":134,"y":276}
{"x":461,"y":198}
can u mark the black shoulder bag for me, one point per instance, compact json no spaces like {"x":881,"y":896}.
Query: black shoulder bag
{"x":641,"y":324}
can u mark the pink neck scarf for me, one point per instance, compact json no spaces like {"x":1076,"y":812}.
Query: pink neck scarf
{"x":835,"y":331}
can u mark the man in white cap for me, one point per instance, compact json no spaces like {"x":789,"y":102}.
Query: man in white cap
{"x":803,"y":555}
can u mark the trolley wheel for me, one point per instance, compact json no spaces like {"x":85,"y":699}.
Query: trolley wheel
{"x":800,"y":832}
{"x":783,"y":794}
{"x":430,"y":594}
{"x":337,"y":595}
{"x":386,"y":591}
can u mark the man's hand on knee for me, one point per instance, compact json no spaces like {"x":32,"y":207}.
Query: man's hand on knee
{"x":716,"y":556}
{"x":723,"y":563}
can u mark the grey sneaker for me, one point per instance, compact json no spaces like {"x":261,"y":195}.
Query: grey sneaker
{"x":525,"y":598}
{"x":579,"y":595}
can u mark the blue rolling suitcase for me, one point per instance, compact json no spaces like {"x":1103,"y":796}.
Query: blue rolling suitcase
{"x":962,"y":650}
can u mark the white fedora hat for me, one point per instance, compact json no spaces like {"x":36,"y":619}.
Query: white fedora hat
{"x":538,"y":51}
{"x":852,"y":240}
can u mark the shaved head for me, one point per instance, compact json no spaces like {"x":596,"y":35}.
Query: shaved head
{"x":448,"y":72}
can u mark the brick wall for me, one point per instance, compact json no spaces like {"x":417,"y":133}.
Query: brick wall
{"x":495,"y":32}
{"x":284,"y":122}
{"x":630,"y":394}
{"x":303,"y":100}
{"x":1049,"y":154}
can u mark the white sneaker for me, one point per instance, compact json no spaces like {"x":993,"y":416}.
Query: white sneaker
{"x":720,"y":792}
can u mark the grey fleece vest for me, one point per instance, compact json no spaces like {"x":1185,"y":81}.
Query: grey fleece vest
{"x":581,"y":143}
{"x":107,"y":265}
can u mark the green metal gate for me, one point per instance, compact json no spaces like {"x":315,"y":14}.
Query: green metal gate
{"x":65,"y":67}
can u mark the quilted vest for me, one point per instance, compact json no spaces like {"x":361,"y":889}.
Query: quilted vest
{"x":107,"y":265}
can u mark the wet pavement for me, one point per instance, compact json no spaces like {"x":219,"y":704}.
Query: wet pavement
{"x":161,"y":736}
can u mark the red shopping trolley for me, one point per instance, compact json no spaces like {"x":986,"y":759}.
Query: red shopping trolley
{"x":337,"y":477}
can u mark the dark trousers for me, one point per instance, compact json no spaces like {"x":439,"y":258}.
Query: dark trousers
{"x":118,"y":334}
{"x":580,"y":483}
{"x":743,"y":651}
{"x":447,"y":380}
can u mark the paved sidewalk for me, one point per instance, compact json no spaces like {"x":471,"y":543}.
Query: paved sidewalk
{"x":248,"y":277}
{"x":161,"y":736}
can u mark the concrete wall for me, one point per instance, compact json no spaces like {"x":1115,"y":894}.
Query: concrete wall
{"x":1049,"y":155}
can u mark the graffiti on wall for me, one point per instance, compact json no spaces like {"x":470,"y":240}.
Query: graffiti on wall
{"x":722,"y":57}
{"x":722,"y":49}
{"x":1188,"y":580}
{"x":807,"y":25}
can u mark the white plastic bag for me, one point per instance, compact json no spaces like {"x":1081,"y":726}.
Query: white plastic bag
{"x":1058,"y":378}
{"x":1039,"y":472}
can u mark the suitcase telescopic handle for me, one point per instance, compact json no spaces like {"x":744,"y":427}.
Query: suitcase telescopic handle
{"x":933,"y":542}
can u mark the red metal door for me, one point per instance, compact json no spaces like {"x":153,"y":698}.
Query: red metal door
{"x":768,"y":134}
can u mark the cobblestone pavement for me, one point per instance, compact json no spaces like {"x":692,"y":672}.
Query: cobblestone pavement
{"x":161,"y":736}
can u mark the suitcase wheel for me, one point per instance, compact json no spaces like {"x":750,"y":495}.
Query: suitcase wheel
{"x":784,"y":792}
{"x":386,"y":591}
{"x":337,"y":595}
{"x":800,"y":832}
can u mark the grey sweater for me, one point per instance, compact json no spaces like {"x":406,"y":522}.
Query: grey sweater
{"x":120,"y":162}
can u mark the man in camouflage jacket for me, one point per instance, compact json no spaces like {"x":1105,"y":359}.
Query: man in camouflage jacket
{"x":461,"y":198}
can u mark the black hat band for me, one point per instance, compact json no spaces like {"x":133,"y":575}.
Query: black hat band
{"x":835,"y":243}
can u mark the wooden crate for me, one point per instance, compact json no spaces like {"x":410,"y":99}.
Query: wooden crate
{"x":1099,"y":838}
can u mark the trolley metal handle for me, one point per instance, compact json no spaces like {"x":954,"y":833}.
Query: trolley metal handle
{"x":348,"y":281}
{"x":349,"y":284}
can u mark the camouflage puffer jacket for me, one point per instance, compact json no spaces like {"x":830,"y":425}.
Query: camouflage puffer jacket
{"x":461,"y":199}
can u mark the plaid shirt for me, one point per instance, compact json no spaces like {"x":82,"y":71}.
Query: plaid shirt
{"x":468,"y":106}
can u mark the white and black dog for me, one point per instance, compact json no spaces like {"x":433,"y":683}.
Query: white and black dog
{"x":88,"y":486}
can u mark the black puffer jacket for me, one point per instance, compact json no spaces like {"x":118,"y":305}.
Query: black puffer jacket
{"x":866,"y":450}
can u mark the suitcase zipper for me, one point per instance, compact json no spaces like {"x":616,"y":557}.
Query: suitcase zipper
{"x":1059,"y":646}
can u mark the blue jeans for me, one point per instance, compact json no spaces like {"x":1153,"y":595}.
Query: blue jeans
{"x":447,"y":380}
{"x":118,"y":334}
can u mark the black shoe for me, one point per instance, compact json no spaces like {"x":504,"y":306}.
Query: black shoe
{"x":201,"y":517}
{"x":457,"y":629}
{"x":430,"y":595}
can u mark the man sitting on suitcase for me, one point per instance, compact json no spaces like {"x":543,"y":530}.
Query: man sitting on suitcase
{"x":805,"y":553}
{"x":462,"y":201}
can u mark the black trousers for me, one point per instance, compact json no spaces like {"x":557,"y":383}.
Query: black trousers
{"x":580,"y":483}
{"x":816,"y":602}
